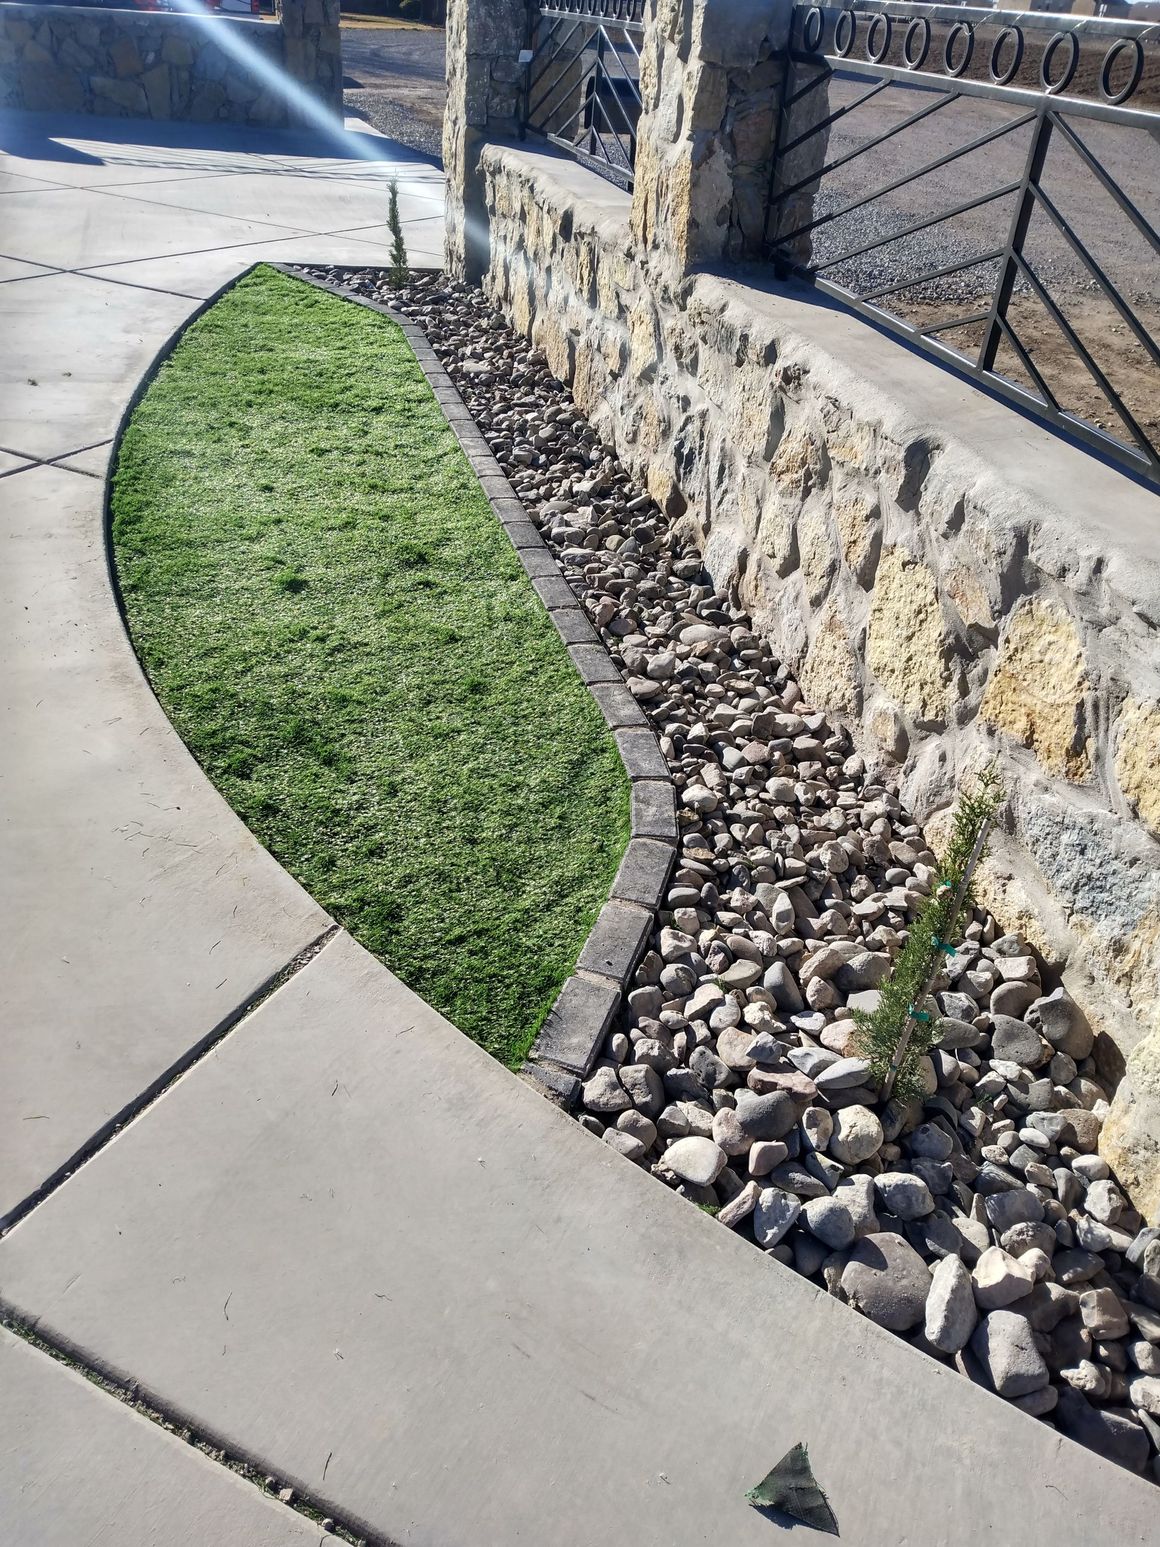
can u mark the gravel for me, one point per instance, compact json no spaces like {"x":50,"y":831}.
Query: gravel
{"x":742,"y":1088}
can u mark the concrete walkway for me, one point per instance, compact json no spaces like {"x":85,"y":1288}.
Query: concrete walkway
{"x":344,"y":1244}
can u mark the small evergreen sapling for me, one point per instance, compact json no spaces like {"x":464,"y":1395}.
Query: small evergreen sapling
{"x":400,"y":271}
{"x":897,"y":1034}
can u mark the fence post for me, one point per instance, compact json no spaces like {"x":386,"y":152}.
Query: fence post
{"x":312,"y":48}
{"x":484,"y":76}
{"x":711,"y":79}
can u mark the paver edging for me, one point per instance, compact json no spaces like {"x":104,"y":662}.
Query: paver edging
{"x":570,"y":1038}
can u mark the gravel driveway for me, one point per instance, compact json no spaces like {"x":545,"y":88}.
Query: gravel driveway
{"x":393,"y":77}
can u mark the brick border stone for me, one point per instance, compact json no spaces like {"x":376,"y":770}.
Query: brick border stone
{"x":570,"y":1038}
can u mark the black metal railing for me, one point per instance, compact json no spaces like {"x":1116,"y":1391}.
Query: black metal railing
{"x":582,"y":84}
{"x":986,"y":184}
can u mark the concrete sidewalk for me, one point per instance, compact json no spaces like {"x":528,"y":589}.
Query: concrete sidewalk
{"x":345,"y":1244}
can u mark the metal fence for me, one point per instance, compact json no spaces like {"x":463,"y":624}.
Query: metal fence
{"x":986,"y":184}
{"x":582,"y":84}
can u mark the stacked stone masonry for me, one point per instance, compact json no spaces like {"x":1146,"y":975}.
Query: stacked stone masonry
{"x":204,"y":69}
{"x":951,"y":618}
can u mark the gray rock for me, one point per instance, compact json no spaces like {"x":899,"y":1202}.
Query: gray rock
{"x":767,"y":1117}
{"x":781,"y":984}
{"x":998,"y":1279}
{"x":1017,"y":1043}
{"x":625,"y":1143}
{"x":857,"y":1135}
{"x":950,"y":1307}
{"x":644,"y":1089}
{"x":795,"y":1178}
{"x":817,"y":1125}
{"x":939,"y":1175}
{"x":1110,"y":1435}
{"x":829,"y":1220}
{"x":931,"y":1142}
{"x":1005,"y":1209}
{"x":1013,"y":998}
{"x":603,"y":1093}
{"x":1144,"y":1391}
{"x":842,"y":1074}
{"x":905,"y":1196}
{"x":1004,"y":1345}
{"x":712,"y":1072}
{"x":857,"y":1195}
{"x":694,"y":1160}
{"x":888,"y":1281}
{"x":773,"y":1215}
{"x":1103,"y":1314}
{"x":1062,"y":1023}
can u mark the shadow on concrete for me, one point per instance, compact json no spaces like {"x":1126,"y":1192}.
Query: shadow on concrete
{"x":94,"y":140}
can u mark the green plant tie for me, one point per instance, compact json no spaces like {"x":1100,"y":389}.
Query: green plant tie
{"x":917,"y":1015}
{"x":941,"y":945}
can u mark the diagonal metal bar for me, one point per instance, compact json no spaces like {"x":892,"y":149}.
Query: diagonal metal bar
{"x":1016,"y":236}
{"x":1146,"y":230}
{"x":580,"y":106}
{"x":824,"y":73}
{"x":861,"y":150}
{"x":950,"y":268}
{"x":833,"y":118}
{"x":1081,"y":349}
{"x":629,"y":126}
{"x":956,"y":322}
{"x":1028,"y":364}
{"x":597,"y":102}
{"x":563,"y":74}
{"x":919,"y":225}
{"x":913,"y":177}
{"x":1145,"y":339}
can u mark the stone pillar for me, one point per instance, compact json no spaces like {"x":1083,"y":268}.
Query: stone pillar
{"x":712,"y":73}
{"x":312,"y":48}
{"x":484,"y":81}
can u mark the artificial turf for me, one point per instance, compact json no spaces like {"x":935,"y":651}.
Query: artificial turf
{"x":334,"y":621}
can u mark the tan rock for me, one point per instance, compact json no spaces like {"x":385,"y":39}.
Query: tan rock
{"x":969,"y":595}
{"x":797,"y":463}
{"x":642,"y":336}
{"x":857,"y":518}
{"x":1130,"y":1138}
{"x":816,"y":550}
{"x":1138,"y":759}
{"x":1035,"y":693}
{"x":906,"y":641}
{"x":829,"y":675}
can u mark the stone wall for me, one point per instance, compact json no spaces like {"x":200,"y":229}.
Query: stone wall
{"x":957,"y":581}
{"x":159,"y":65}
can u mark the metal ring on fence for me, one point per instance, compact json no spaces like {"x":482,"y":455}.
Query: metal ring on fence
{"x":919,"y":24}
{"x":1113,"y":53}
{"x":876,"y":57}
{"x":1064,"y":81}
{"x":843,"y":46}
{"x":1003,"y":77}
{"x":964,"y":29}
{"x":815,"y":17}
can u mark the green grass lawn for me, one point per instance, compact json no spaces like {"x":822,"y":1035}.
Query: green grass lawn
{"x":335,"y":622}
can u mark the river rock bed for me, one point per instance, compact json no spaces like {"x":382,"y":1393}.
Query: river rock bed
{"x":978,"y":1222}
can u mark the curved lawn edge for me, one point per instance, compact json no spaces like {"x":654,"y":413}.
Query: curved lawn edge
{"x":574,"y":1029}
{"x":608,"y":955}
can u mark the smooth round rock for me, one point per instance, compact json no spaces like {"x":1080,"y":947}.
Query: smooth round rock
{"x":695,"y":1160}
{"x":888,"y":1281}
{"x":905,"y":1196}
{"x":857,"y":1135}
